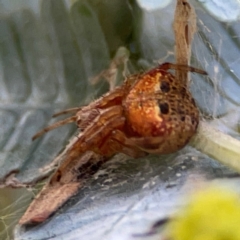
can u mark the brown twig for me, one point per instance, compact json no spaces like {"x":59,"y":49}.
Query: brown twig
{"x":184,"y":29}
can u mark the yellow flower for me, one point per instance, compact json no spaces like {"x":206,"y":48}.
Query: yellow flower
{"x":213,"y":214}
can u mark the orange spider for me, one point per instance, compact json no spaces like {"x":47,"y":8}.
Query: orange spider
{"x":151,"y":112}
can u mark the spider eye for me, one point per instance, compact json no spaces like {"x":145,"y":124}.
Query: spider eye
{"x":164,"y":108}
{"x":165,"y":87}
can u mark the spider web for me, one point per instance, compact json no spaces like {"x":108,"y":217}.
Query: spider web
{"x":125,"y":194}
{"x":13,"y":203}
{"x":215,"y":49}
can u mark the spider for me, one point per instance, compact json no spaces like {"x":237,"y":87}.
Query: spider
{"x":152,"y":112}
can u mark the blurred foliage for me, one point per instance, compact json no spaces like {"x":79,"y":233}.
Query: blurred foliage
{"x":212,"y":214}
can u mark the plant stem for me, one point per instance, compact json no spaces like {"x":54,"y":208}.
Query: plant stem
{"x":217,"y":145}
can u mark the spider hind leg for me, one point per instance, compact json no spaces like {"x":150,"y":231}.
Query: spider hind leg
{"x":69,"y":110}
{"x":53,"y":126}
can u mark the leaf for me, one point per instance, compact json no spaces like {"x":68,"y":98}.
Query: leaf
{"x":45,"y":64}
{"x":41,"y":71}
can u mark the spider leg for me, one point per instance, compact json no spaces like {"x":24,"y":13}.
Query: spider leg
{"x":113,"y":97}
{"x":113,"y":146}
{"x":167,"y":66}
{"x":129,"y":147}
{"x":70,"y":110}
{"x":108,"y":100}
{"x":156,"y":145}
{"x":118,"y":142}
{"x":102,"y":125}
{"x":107,"y":140}
{"x":104,"y":137}
{"x":53,"y":126}
{"x":100,"y":143}
{"x":146,"y":142}
{"x":95,"y":140}
{"x":103,"y":102}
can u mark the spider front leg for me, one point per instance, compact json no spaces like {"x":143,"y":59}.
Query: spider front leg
{"x":118,"y":142}
{"x":179,"y":67}
{"x":85,"y":114}
{"x":107,"y":120}
{"x":104,"y":136}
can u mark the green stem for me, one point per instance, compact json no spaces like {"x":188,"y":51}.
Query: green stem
{"x":217,"y":145}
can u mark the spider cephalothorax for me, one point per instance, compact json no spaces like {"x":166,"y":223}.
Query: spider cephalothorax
{"x":150,"y":112}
